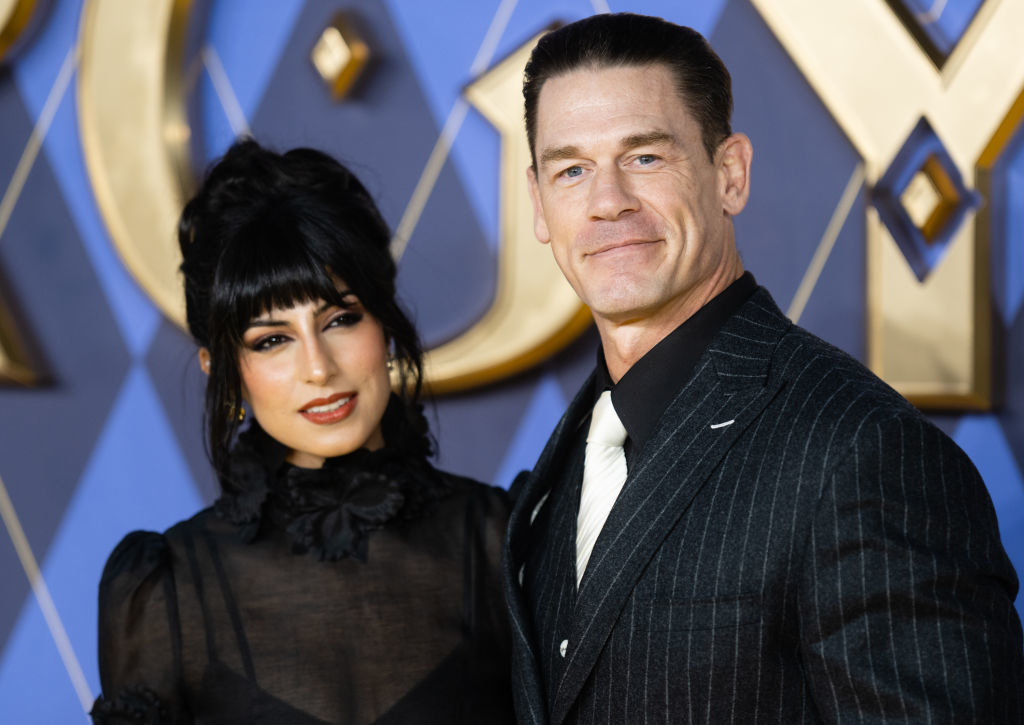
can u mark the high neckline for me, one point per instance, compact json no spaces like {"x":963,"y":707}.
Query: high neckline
{"x":326,"y":511}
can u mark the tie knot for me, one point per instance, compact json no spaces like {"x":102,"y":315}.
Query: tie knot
{"x":605,"y":426}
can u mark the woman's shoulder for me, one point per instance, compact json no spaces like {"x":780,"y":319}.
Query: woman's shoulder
{"x":140,"y":554}
{"x":139,"y":632}
{"x":490,"y":500}
{"x":137,"y":557}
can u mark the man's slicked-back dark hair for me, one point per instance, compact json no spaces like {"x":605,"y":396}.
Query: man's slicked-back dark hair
{"x":626,"y":39}
{"x":270,"y":230}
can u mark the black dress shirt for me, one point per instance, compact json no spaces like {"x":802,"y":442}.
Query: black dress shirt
{"x":643,"y":393}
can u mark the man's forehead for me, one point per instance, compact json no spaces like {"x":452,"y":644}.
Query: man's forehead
{"x":650,"y":83}
{"x":587,"y":103}
{"x":598,"y":71}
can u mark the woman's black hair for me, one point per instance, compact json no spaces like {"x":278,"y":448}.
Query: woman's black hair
{"x":270,"y":230}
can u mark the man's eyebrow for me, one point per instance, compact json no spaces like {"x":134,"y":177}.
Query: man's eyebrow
{"x":559,"y":154}
{"x":650,"y":138}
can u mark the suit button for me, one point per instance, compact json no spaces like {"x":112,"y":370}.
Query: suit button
{"x":563,"y":647}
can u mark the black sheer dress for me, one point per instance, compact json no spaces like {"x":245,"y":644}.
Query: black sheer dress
{"x":367,"y":591}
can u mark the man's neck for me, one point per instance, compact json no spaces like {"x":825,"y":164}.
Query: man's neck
{"x":624,"y":342}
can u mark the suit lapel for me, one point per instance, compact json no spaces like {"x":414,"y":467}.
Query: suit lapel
{"x":728,"y":391}
{"x":546,"y":472}
{"x":533,"y":492}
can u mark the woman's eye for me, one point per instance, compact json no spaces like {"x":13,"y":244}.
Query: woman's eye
{"x":268,"y":342}
{"x":345,"y":319}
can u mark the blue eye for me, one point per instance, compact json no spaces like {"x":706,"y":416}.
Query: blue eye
{"x":573,"y":171}
{"x":645,"y":159}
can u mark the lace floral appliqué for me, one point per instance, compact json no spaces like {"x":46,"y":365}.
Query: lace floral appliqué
{"x":327,"y":511}
{"x":138,"y":706}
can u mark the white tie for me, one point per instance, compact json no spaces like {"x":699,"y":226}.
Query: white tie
{"x":604,"y":472}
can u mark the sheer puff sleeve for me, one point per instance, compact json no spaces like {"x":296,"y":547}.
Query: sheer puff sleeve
{"x":139,"y":642}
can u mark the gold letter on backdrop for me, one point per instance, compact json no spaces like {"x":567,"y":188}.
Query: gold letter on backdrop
{"x":139,"y":188}
{"x":928,"y":334}
{"x":14,"y":17}
{"x":15,"y":366}
{"x":134,"y":133}
{"x":535,"y":312}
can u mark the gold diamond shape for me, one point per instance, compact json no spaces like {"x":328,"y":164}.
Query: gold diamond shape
{"x":14,"y":17}
{"x":339,"y":56}
{"x":15,"y":361}
{"x":930,"y":198}
{"x":920,"y":198}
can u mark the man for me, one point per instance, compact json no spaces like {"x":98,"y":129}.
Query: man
{"x":793,"y":542}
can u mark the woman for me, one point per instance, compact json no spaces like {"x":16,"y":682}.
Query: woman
{"x":339,"y":578}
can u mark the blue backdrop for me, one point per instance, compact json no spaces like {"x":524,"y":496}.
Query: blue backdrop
{"x":112,"y":441}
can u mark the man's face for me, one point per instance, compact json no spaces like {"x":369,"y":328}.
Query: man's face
{"x":636,"y":213}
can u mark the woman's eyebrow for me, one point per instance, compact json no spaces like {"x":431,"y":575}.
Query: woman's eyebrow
{"x":265,"y":322}
{"x":271,"y":322}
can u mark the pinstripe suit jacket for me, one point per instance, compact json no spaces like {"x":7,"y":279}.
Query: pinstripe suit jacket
{"x":829,"y":555}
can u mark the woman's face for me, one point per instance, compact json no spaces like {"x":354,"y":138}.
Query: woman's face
{"x":315,"y":377}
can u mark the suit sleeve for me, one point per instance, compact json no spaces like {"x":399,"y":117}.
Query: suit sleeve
{"x":906,"y":600}
{"x":139,"y":637}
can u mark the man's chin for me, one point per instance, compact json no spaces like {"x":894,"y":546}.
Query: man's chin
{"x":621,"y":309}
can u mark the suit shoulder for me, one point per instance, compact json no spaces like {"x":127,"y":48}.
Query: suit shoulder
{"x":804,"y":359}
{"x":834,"y":402}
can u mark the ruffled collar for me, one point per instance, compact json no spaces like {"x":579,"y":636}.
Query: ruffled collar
{"x":327,"y":511}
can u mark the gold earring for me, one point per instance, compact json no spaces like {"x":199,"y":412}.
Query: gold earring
{"x":391,"y":364}
{"x":241,"y":414}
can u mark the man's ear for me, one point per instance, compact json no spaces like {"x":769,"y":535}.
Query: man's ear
{"x":204,"y":360}
{"x":540,"y":225}
{"x":734,"y":156}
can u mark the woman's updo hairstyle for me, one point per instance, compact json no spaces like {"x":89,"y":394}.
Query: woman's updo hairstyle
{"x":270,"y":230}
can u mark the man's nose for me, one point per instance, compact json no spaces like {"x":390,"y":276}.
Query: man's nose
{"x":611,"y":195}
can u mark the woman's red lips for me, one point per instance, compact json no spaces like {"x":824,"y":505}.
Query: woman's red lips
{"x":323,"y":411}
{"x":325,"y":401}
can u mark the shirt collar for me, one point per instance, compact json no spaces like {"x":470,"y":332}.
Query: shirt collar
{"x":643,"y":393}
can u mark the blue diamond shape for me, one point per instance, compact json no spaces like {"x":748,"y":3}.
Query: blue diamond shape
{"x":922,"y":147}
{"x":937,"y":25}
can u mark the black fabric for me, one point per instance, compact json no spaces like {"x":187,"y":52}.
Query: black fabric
{"x":364,"y":592}
{"x":643,"y":393}
{"x":795,"y":543}
{"x":553,"y":624}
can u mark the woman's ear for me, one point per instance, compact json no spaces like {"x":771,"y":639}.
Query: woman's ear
{"x":204,"y":360}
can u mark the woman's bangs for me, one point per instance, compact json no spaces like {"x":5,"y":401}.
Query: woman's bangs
{"x":265,"y":274}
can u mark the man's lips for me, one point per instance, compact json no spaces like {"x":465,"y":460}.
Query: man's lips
{"x":613,"y":247}
{"x":329,"y":410}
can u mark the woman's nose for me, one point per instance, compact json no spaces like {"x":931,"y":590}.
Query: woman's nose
{"x":320,"y":363}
